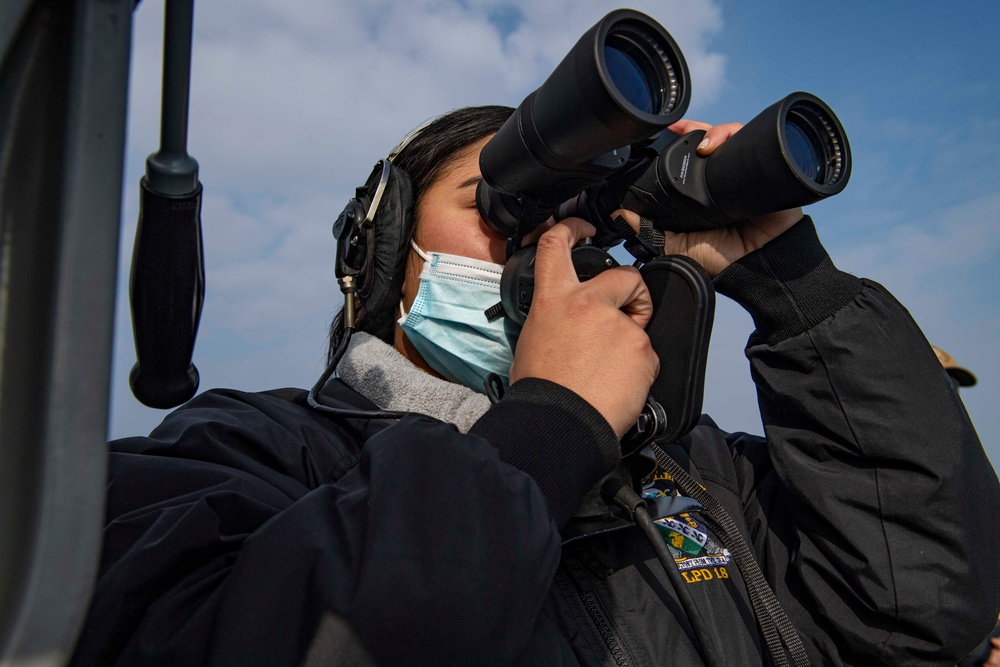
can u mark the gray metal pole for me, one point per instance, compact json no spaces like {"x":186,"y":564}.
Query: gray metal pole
{"x":171,"y":171}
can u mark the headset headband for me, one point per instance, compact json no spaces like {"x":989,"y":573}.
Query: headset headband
{"x":410,"y":136}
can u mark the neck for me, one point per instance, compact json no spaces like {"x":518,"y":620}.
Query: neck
{"x":405,"y":348}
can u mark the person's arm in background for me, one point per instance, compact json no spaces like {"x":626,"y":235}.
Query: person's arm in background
{"x":873,"y":504}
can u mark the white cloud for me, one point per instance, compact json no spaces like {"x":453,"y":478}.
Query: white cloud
{"x":285,"y":93}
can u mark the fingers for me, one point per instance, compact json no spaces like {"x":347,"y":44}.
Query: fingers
{"x":633,"y":221}
{"x":554,"y":263}
{"x":621,"y":287}
{"x":631,"y":218}
{"x":994,"y":659}
{"x":684,"y":126}
{"x":624,"y":288}
{"x":715,"y":135}
{"x":534,"y":234}
{"x":584,"y":336}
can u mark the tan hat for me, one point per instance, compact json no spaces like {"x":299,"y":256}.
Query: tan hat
{"x":963,"y":376}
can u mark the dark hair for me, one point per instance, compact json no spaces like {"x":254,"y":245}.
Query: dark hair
{"x":432,"y":150}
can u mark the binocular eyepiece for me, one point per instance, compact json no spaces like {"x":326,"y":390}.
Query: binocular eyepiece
{"x":593,"y":138}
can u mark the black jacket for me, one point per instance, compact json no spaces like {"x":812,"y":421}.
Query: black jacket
{"x":248,"y":529}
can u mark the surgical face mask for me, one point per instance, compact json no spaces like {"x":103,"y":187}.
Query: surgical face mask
{"x":447,"y":322}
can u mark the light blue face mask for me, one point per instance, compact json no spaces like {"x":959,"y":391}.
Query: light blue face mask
{"x":447,"y":322}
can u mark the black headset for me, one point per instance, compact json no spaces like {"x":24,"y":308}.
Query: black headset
{"x":373,"y":235}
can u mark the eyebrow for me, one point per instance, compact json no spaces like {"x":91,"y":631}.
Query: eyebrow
{"x":470,"y":181}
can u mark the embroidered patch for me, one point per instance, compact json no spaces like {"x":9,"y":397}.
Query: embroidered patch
{"x":710,"y":560}
{"x":683,"y":533}
{"x":690,"y":544}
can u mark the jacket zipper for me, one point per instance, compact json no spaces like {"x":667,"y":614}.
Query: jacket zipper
{"x":612,"y":640}
{"x":604,"y":628}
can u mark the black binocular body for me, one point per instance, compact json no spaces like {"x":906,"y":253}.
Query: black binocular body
{"x":593,"y":139}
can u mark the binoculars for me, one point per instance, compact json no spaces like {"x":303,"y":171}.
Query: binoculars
{"x":593,"y":138}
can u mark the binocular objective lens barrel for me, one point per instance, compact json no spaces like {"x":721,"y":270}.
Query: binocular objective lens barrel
{"x":814,"y":144}
{"x":791,"y":154}
{"x":624,"y":81}
{"x":644,"y":67}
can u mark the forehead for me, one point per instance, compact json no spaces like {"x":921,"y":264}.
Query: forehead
{"x":461,"y":166}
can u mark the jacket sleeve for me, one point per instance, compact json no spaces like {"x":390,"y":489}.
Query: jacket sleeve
{"x":872,"y":506}
{"x":233,"y":532}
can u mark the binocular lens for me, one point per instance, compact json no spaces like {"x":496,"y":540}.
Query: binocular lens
{"x":640,"y":68}
{"x":814,"y":144}
{"x":804,"y":151}
{"x":631,"y":81}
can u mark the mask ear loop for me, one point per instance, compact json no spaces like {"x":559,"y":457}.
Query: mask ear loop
{"x":423,"y":255}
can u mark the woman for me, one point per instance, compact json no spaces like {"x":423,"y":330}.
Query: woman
{"x":255,"y":529}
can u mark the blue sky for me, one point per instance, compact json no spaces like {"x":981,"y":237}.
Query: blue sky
{"x":292,"y":103}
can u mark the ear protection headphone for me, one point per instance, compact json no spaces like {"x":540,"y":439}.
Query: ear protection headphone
{"x":373,"y":233}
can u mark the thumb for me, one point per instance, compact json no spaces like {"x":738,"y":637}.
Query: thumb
{"x":553,"y":259}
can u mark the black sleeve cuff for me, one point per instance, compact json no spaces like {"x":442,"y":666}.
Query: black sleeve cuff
{"x":789,"y":285}
{"x":555,"y":436}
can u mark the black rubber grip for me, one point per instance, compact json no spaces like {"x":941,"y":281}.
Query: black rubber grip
{"x":166,"y":290}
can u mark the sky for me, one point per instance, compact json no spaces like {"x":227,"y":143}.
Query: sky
{"x":293,"y":101}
